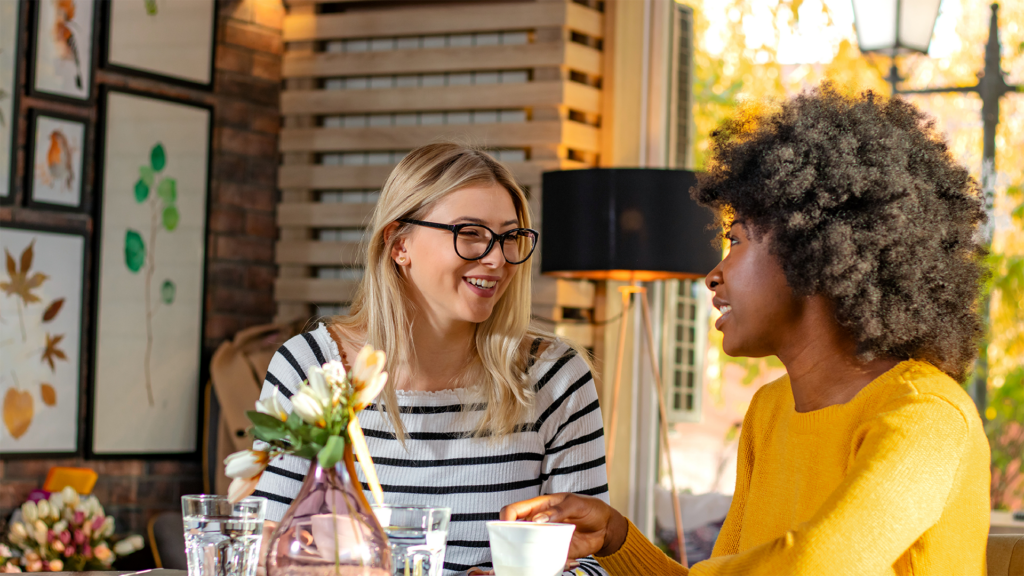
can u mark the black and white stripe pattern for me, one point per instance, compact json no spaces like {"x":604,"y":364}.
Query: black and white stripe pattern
{"x":560,"y":450}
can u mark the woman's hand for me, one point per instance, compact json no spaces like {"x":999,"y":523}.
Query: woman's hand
{"x":268,"y":530}
{"x":600,"y":529}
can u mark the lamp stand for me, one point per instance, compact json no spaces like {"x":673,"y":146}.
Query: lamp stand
{"x":627,"y":292}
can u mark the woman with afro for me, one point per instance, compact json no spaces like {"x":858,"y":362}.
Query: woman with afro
{"x":855,"y":258}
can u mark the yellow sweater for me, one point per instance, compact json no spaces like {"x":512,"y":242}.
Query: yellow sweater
{"x":895,"y":481}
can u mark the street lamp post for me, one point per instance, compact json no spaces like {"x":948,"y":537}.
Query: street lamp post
{"x":991,"y":87}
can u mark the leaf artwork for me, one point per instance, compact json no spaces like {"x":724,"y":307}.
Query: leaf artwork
{"x":48,"y":394}
{"x":163,"y":212}
{"x":53,"y":309}
{"x":21,"y":284}
{"x":17,"y":412}
{"x":51,"y":352}
{"x":151,"y":7}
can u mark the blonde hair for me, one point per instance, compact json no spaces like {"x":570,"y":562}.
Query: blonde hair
{"x":381,"y":311}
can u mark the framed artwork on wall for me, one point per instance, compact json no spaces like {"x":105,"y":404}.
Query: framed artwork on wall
{"x":10,"y":20}
{"x":63,"y":48}
{"x":56,"y":166}
{"x":169,"y":39}
{"x":151,"y":243}
{"x":41,"y":296}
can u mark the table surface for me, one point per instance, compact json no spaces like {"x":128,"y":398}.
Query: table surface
{"x":1003,"y":523}
{"x":154,"y":572}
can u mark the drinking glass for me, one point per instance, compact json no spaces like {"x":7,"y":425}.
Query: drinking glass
{"x":418,"y":535}
{"x":221,"y":538}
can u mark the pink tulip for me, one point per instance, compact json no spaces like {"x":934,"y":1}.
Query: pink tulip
{"x":79,"y":537}
{"x":79,"y":518}
{"x":65,"y":537}
{"x":97,"y":523}
{"x":69,"y":551}
{"x":87,"y":552}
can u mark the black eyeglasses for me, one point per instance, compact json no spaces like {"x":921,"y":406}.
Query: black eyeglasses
{"x":474,"y":241}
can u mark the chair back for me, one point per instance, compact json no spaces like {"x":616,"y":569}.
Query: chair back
{"x":166,"y":532}
{"x":1005,"y":555}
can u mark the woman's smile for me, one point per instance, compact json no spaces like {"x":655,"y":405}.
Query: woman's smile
{"x":481,"y":285}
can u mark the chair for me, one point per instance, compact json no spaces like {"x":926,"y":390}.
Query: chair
{"x":166,"y":533}
{"x":1005,"y":555}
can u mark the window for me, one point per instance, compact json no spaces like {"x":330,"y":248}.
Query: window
{"x":683,"y":344}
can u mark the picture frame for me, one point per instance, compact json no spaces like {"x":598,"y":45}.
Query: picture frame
{"x":166,"y":40}
{"x":56,"y":151}
{"x":153,"y":167}
{"x":63,"y":46}
{"x":10,"y":42}
{"x":42,"y":293}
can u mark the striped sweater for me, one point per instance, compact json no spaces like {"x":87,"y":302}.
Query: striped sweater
{"x":560,"y":450}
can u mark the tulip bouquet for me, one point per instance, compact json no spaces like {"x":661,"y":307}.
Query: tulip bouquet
{"x":323,"y":420}
{"x":63,"y":533}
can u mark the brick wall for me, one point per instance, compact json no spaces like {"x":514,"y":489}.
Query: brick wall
{"x":240,"y":267}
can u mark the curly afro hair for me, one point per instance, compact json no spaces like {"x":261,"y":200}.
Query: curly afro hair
{"x":863,"y":203}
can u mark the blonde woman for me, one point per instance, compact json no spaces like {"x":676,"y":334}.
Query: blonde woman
{"x":481,"y":410}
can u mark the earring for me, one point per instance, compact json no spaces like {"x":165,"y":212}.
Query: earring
{"x":401,"y":259}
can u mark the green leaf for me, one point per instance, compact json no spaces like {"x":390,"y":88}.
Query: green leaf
{"x":134,"y":251}
{"x":158,"y":158}
{"x":268,"y":434}
{"x":141,"y":191}
{"x":294,"y":421}
{"x":167,"y":290}
{"x":146,"y":175}
{"x":1018,"y":213}
{"x":265,"y":420}
{"x":168,"y":190}
{"x":332,"y":453}
{"x":320,"y":436}
{"x":170,"y":218}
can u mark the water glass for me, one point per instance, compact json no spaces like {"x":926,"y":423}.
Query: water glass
{"x":222,"y":538}
{"x":418,"y":535}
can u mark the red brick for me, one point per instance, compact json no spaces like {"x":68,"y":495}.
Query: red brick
{"x":262,"y":198}
{"x":222,"y":326}
{"x":254,"y":37}
{"x":248,"y":143}
{"x":158,"y":493}
{"x":230,"y":167}
{"x":227,"y":219}
{"x":261,"y":224}
{"x":34,"y":468}
{"x":262,"y":171}
{"x":226,"y":274}
{"x":243,"y":248}
{"x":113,"y":490}
{"x":266,"y":66}
{"x":117,"y":467}
{"x":175,"y":468}
{"x":14,"y":492}
{"x":260,"y":277}
{"x":234,"y":59}
{"x":269,"y":13}
{"x":247,"y":88}
{"x":233,"y":113}
{"x":242,"y":301}
{"x":268,"y":122}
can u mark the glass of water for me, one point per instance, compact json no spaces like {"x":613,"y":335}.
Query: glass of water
{"x":418,"y":535}
{"x":221,"y":538}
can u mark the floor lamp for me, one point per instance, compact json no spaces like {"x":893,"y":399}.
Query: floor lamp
{"x":635,"y":225}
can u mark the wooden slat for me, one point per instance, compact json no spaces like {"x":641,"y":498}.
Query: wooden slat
{"x":512,"y":57}
{"x":314,"y":290}
{"x":582,"y":334}
{"x":460,"y":18}
{"x":321,"y":215}
{"x":340,"y":177}
{"x":496,"y":135}
{"x":580,"y":136}
{"x":584,"y":59}
{"x":314,"y":253}
{"x":575,"y":294}
{"x":490,"y":96}
{"x":585,"y":20}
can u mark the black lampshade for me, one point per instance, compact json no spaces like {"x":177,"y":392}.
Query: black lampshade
{"x":625,"y":224}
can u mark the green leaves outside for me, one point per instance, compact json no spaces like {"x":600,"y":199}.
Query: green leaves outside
{"x":167,"y":291}
{"x":158,"y":157}
{"x":134,"y":251}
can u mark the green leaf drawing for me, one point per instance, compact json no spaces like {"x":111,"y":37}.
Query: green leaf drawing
{"x":167,"y":291}
{"x":170,"y":218}
{"x":134,"y":251}
{"x":146,"y":174}
{"x":168,"y":190}
{"x":141,"y":191}
{"x":332,"y":453}
{"x":158,"y":158}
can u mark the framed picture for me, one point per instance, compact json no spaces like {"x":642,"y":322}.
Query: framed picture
{"x":63,"y":48}
{"x":57,"y":161}
{"x":169,"y":39}
{"x":41,"y":291}
{"x":10,"y":20}
{"x":151,"y":242}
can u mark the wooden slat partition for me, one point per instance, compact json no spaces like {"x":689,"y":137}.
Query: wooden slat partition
{"x":544,"y":131}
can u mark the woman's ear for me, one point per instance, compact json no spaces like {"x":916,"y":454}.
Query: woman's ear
{"x":398,"y":252}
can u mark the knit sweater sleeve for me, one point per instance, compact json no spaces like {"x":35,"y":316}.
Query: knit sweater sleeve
{"x":639,"y":556}
{"x":897,"y":487}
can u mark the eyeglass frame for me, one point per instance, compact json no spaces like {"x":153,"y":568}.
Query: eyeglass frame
{"x":456,"y":228}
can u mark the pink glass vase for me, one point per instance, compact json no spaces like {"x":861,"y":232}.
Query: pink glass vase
{"x":329,"y":528}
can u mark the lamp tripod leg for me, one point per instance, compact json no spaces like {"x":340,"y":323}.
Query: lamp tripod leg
{"x":614,"y":420}
{"x":676,"y":509}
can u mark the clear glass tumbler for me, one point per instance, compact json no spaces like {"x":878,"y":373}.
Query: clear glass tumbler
{"x":418,"y":536}
{"x":221,"y":538}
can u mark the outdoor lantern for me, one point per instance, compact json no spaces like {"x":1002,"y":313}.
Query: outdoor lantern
{"x":893,"y":27}
{"x":625,"y":224}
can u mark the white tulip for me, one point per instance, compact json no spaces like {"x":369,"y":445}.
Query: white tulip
{"x":40,"y":532}
{"x":129,"y":545}
{"x":335,"y":373}
{"x":363,"y":397}
{"x":246,"y":464}
{"x":241,"y":487}
{"x":106,"y":530}
{"x":29,"y":512}
{"x":318,"y":382}
{"x":70,"y":496}
{"x":18,"y":532}
{"x":309,"y":407}
{"x":56,"y":501}
{"x":369,"y":363}
{"x":272,"y":406}
{"x":43,"y":509}
{"x":59,"y":527}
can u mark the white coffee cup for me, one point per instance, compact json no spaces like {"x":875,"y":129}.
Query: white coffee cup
{"x":529,"y":548}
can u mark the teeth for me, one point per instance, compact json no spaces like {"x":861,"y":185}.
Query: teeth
{"x":481,"y":282}
{"x":725,"y":309}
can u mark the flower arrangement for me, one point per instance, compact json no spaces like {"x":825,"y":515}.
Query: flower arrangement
{"x":323,"y":420}
{"x":63,"y":533}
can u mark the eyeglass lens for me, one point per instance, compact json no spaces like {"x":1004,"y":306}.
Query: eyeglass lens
{"x":472,"y":241}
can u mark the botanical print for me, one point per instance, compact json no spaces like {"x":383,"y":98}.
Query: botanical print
{"x":169,"y":38}
{"x":58,"y":161}
{"x":40,"y":323}
{"x":8,"y":51}
{"x":152,"y":255}
{"x":64,"y":47}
